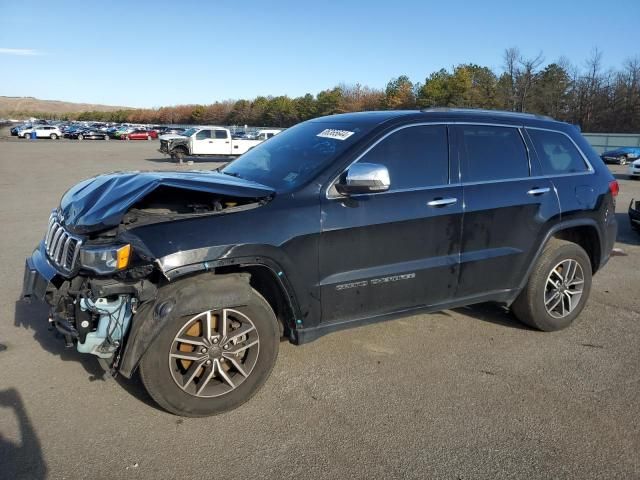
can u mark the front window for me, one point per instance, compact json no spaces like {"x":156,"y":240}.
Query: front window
{"x":203,"y":135}
{"x":296,"y":155}
{"x":189,"y":132}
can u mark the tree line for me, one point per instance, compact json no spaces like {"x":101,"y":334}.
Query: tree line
{"x":588,"y":95}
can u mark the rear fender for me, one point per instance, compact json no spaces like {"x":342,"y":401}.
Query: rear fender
{"x":552,"y":231}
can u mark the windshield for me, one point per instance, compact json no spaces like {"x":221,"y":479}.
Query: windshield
{"x":189,"y":132}
{"x":294,"y":156}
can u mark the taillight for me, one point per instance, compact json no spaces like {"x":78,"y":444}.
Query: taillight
{"x":614,"y":188}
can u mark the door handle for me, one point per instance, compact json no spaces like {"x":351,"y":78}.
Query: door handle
{"x":538,"y":191}
{"x":442,"y":202}
{"x":226,"y":141}
{"x":210,"y":141}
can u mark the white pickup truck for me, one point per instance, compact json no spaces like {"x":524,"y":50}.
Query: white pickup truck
{"x":205,"y":141}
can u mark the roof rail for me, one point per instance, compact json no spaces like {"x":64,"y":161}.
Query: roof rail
{"x":505,"y":113}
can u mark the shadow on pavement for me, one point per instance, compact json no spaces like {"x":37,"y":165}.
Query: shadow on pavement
{"x":626,"y":234}
{"x":24,"y":459}
{"x":33,"y":316}
{"x":492,"y":313}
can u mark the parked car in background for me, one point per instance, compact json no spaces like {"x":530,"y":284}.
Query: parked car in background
{"x":170,"y":130}
{"x":266,"y":134}
{"x":621,"y":155}
{"x":634,"y":169}
{"x":140,"y":134}
{"x":69,"y":130}
{"x":15,"y":131}
{"x":89,"y":134}
{"x":123,"y":130}
{"x":42,"y":131}
{"x":204,"y":141}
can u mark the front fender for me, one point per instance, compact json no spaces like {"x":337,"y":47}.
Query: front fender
{"x":186,"y":297}
{"x":179,"y":264}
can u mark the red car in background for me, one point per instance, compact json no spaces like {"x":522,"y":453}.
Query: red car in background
{"x":140,"y":134}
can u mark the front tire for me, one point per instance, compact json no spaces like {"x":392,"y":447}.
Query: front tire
{"x":214,"y":361}
{"x":53,"y":136}
{"x":558,"y":287}
{"x":80,"y":137}
{"x":179,"y":155}
{"x":622,"y":160}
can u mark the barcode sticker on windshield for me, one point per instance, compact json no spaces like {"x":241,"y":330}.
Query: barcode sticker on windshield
{"x":337,"y":134}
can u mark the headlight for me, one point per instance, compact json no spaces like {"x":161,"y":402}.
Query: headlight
{"x":105,"y":259}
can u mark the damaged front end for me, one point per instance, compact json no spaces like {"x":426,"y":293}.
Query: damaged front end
{"x":92,"y":269}
{"x":92,"y":288}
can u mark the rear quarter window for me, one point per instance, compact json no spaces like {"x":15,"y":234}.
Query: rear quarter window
{"x":557,"y":153}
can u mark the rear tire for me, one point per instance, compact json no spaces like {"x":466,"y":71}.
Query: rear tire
{"x":80,"y":137}
{"x":622,"y":160}
{"x":148,"y":137}
{"x":550,"y":302}
{"x":206,"y":391}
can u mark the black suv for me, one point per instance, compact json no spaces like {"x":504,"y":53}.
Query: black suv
{"x":194,"y":277}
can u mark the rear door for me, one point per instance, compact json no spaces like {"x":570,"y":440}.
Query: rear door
{"x":507,"y":204}
{"x":390,"y":251}
{"x":568,"y":169}
{"x":221,"y":142}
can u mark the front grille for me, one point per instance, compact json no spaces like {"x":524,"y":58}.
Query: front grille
{"x":62,"y":247}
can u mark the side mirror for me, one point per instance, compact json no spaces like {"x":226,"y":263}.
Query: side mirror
{"x":364,"y":178}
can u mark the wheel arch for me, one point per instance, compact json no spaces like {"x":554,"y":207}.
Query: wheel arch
{"x":268,"y":283}
{"x":584,"y":232}
{"x":189,"y":295}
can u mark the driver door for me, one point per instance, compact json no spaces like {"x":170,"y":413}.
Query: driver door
{"x":203,"y":143}
{"x":389,"y":251}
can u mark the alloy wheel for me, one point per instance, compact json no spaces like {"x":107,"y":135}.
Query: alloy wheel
{"x":563,"y":288}
{"x":214,"y":352}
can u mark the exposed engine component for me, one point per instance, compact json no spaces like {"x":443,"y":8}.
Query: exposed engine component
{"x":113,"y":321}
{"x":165,"y":203}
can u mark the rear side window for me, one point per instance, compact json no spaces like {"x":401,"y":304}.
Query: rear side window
{"x":556,"y":152}
{"x":221,"y":133}
{"x":415,"y":156}
{"x":492,"y":153}
{"x":203,"y":134}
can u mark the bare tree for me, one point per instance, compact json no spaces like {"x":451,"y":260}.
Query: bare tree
{"x":511,"y":57}
{"x":527,"y":69}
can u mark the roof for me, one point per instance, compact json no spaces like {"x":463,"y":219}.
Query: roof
{"x":381,"y":116}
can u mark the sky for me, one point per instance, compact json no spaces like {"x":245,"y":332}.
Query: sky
{"x":155,"y":53}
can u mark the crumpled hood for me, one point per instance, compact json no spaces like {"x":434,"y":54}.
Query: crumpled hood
{"x":100,"y":202}
{"x":172,"y":137}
